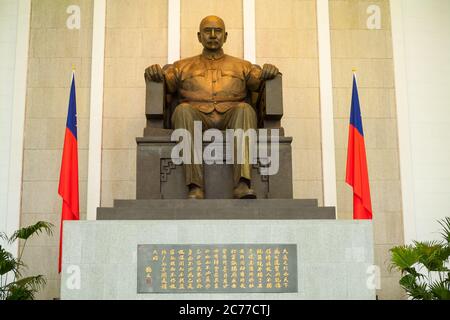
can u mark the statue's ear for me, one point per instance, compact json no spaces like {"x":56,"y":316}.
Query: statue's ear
{"x":225,"y":37}
{"x":199,"y":37}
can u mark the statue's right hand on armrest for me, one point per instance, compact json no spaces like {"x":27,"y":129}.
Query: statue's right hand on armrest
{"x":154,"y":73}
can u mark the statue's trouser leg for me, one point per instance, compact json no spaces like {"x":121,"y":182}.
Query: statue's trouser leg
{"x":243,"y":117}
{"x":183,"y":117}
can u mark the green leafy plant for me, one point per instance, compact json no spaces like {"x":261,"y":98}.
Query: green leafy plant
{"x":424,"y":266}
{"x":20,"y":288}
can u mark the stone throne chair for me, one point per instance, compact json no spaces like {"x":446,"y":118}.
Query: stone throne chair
{"x":159,"y":178}
{"x":160,"y":184}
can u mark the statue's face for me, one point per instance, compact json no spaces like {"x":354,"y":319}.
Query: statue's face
{"x":212,"y":33}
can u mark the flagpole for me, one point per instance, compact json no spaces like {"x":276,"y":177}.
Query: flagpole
{"x":357,"y":175}
{"x":68,"y":187}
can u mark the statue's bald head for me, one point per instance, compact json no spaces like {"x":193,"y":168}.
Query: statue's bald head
{"x":212,"y":34}
{"x":212,"y":19}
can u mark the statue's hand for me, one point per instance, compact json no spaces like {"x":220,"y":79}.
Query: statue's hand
{"x":154,"y":73}
{"x":269,"y":71}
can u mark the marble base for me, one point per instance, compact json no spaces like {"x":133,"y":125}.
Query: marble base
{"x":333,"y":257}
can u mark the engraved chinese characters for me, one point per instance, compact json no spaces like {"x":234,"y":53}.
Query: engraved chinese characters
{"x":217,"y":268}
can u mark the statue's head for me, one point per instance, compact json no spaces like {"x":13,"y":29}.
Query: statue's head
{"x":212,"y":33}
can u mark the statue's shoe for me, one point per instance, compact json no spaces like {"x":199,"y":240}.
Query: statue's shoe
{"x":242,"y":191}
{"x":196,"y":193}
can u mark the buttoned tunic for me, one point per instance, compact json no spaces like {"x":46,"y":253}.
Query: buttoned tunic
{"x":212,"y":83}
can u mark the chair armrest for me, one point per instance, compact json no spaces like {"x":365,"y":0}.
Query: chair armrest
{"x":274,"y":98}
{"x":270,"y":103}
{"x":154,"y":100}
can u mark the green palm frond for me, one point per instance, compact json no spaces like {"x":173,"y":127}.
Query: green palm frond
{"x":8,"y":263}
{"x":415,"y":289}
{"x":19,"y":293}
{"x":33,"y":283}
{"x":408,"y":281}
{"x":8,"y":266}
{"x":441,"y":290}
{"x":444,"y":255}
{"x":432,"y":254}
{"x":445,"y":224}
{"x":3,"y":236}
{"x":422,"y":263}
{"x":35,"y":229}
{"x":26,"y":288}
{"x":403,"y":258}
{"x":426,"y":247}
{"x":420,"y":292}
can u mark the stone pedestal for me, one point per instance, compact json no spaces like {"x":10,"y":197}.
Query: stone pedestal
{"x":157,"y":177}
{"x":215,"y":209}
{"x":333,"y":256}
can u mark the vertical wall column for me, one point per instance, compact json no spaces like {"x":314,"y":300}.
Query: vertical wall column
{"x":326,"y":104}
{"x":401,"y":92}
{"x":96,"y":109}
{"x":173,"y":31}
{"x":18,"y":120}
{"x":248,"y":7}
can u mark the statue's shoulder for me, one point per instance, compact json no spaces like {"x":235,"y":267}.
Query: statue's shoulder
{"x":236,"y":63}
{"x":236,"y":60}
{"x":183,"y":63}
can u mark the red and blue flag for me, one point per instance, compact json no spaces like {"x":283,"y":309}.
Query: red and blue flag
{"x":357,"y":173}
{"x":68,"y":179}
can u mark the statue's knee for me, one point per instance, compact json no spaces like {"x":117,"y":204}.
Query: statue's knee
{"x":182,"y":111}
{"x":246,"y":109}
{"x":243,"y":105}
{"x":183,"y":107}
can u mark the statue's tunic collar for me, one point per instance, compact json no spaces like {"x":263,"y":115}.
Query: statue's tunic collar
{"x":216,"y":55}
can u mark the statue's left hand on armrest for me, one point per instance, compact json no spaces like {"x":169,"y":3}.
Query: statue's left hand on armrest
{"x":269,"y":71}
{"x":154,"y":73}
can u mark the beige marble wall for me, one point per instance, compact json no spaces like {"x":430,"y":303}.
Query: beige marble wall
{"x":52,"y":52}
{"x":193,"y":11}
{"x":286,"y":35}
{"x":353,"y":45}
{"x":136,"y":37}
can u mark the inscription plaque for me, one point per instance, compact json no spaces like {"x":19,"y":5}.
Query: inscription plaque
{"x":216,"y":268}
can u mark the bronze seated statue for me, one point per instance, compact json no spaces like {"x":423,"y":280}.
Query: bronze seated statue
{"x":223,"y":92}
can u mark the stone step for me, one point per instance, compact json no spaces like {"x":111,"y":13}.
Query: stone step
{"x":269,"y":209}
{"x":215,"y":203}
